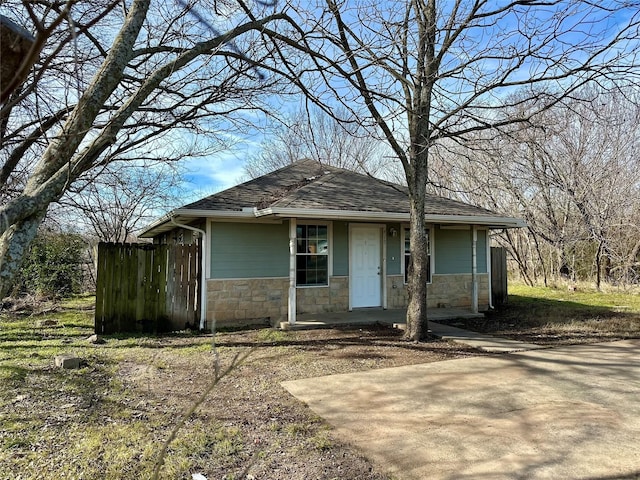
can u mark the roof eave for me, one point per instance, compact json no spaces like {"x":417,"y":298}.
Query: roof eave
{"x":287,"y":212}
{"x":182,"y":215}
{"x":491,"y":221}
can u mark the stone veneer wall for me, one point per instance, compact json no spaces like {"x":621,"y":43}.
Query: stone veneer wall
{"x":455,"y":291}
{"x":397,"y":295}
{"x":247,"y":301}
{"x":448,"y":291}
{"x":265,"y":300}
{"x":334,"y":298}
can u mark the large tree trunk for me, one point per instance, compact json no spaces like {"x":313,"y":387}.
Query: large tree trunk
{"x":419,"y":122}
{"x":13,"y":245}
{"x":417,"y":323}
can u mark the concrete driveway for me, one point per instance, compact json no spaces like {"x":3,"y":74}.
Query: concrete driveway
{"x":564,"y":413}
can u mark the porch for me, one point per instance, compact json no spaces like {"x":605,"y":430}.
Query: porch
{"x":363,"y":316}
{"x":397,"y":317}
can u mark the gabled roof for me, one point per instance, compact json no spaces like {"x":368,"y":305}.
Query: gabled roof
{"x":309,"y":189}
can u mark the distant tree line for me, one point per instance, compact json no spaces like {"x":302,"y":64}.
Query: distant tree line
{"x":573,"y":173}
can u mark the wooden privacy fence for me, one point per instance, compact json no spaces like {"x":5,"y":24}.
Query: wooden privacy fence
{"x":498,"y":276}
{"x":147,"y":288}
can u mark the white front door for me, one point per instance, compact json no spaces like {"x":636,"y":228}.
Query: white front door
{"x":366,"y":267}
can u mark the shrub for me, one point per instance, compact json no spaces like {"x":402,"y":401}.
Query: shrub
{"x":53,"y":266}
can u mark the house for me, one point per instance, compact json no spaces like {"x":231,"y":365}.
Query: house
{"x":311,"y":238}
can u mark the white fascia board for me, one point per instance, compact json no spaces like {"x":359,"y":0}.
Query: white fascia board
{"x":147,"y":232}
{"x":480,"y":220}
{"x":493,"y":222}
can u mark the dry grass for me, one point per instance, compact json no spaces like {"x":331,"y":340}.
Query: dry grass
{"x":554,"y":316}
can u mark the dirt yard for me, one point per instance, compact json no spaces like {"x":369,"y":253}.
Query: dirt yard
{"x":110,"y":418}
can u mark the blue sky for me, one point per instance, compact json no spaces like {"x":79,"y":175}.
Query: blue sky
{"x":224,"y":168}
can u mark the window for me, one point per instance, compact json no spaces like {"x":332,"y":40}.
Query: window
{"x":312,"y":255}
{"x":407,"y":254}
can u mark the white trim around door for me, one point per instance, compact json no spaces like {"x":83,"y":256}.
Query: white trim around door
{"x":367,"y":272}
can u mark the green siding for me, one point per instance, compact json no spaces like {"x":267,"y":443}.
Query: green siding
{"x":340,"y":248}
{"x":453,"y":251}
{"x":481,"y":248}
{"x":394,"y":252}
{"x":245,"y":250}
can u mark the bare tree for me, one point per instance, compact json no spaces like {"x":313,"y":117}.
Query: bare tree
{"x":587,"y":162}
{"x":425,"y":72}
{"x":21,"y":50}
{"x":319,"y":136}
{"x":130,"y":80}
{"x":113,"y":205}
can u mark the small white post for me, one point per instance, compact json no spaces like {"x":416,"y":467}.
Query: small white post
{"x":292,"y":271}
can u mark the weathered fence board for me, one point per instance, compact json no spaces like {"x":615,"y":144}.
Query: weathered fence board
{"x":183,"y":277}
{"x":498,"y":276}
{"x":147,"y":288}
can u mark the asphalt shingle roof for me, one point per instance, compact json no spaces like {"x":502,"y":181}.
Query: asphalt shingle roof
{"x":308,"y":184}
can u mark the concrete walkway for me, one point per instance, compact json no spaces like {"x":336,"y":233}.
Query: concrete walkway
{"x":480,"y":341}
{"x":564,"y":413}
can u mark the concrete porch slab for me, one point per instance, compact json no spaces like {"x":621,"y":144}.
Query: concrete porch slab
{"x":370,"y":316}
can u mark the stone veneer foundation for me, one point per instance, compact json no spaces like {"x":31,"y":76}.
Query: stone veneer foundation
{"x":247,"y":301}
{"x":444,"y":291}
{"x":265,"y":300}
{"x":334,"y":298}
{"x":454,"y":291}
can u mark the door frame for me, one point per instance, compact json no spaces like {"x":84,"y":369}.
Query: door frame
{"x":382,"y":229}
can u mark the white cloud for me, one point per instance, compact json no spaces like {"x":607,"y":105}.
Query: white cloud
{"x":214,"y":173}
{"x":207,"y":175}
